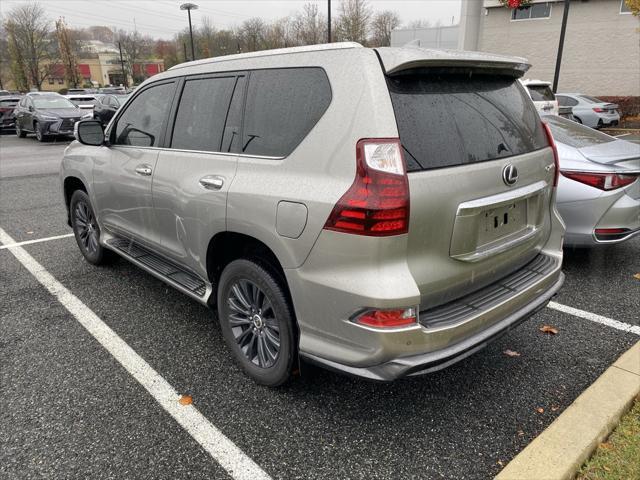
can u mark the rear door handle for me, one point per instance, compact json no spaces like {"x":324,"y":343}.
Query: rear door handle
{"x":144,"y":170}
{"x":212,"y":182}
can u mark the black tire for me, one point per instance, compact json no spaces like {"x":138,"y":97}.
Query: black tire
{"x":86,"y":230}
{"x":257,"y":321}
{"x":19,"y":132}
{"x":41,"y":137}
{"x":577,"y":119}
{"x":600,"y":124}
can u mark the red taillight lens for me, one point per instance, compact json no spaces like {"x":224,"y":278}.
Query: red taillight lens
{"x":602,"y":181}
{"x":377,"y":203}
{"x":556,"y":160}
{"x":387,"y":318}
{"x":598,"y":110}
{"x":611,"y":231}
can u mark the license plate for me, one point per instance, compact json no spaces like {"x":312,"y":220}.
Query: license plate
{"x":503,"y":221}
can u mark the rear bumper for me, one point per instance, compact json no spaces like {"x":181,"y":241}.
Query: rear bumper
{"x":437,"y":360}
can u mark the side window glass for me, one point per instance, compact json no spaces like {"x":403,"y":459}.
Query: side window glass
{"x":143,"y":121}
{"x":202,"y":112}
{"x":231,"y":138}
{"x":283,"y":105}
{"x":572,"y":102}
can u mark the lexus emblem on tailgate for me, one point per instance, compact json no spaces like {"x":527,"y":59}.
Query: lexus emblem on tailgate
{"x":510,"y":174}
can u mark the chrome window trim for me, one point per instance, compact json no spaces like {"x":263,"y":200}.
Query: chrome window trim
{"x":231,"y":154}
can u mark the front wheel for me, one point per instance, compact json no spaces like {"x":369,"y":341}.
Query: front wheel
{"x":86,"y":230}
{"x":41,"y":137}
{"x":257,"y":321}
{"x":19,"y":132}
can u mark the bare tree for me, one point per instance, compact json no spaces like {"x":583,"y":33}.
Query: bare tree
{"x":252,"y":33}
{"x":135,"y":48}
{"x":383,"y":23}
{"x":67,"y":53}
{"x":416,"y":24}
{"x":278,"y":34}
{"x":31,"y":43}
{"x":206,"y":37}
{"x":353,"y":22}
{"x":309,"y":26}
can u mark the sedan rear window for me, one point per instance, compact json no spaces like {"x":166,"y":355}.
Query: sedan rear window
{"x":589,"y":99}
{"x":454,"y":117}
{"x":573,"y":134}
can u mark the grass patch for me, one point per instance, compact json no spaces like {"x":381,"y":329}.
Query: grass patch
{"x":619,"y":457}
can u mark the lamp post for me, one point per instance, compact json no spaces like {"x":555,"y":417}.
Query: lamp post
{"x":188,"y":7}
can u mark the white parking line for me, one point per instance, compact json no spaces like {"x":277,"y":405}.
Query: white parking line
{"x":29,"y":242}
{"x":609,"y":322}
{"x":224,"y":451}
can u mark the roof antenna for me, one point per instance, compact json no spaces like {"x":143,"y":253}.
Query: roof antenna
{"x":413,"y":43}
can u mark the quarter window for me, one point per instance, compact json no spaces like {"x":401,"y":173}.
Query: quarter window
{"x":624,"y":8}
{"x":537,"y":10}
{"x":202,"y":113}
{"x":283,"y":105}
{"x":143,"y":122}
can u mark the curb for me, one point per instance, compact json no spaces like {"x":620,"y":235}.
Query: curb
{"x":560,"y":450}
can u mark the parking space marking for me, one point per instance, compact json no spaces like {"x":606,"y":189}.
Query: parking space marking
{"x":38,"y":240}
{"x":237,"y":464}
{"x":609,"y":322}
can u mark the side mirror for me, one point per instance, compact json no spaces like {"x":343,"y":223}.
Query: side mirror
{"x":31,"y":108}
{"x":89,"y":132}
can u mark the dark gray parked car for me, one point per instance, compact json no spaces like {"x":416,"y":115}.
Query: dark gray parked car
{"x":381,"y":212}
{"x":47,"y":115}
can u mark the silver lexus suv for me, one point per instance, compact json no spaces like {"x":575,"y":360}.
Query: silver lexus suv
{"x":380,"y":212}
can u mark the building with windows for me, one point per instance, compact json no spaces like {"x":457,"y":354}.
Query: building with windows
{"x":601,"y":50}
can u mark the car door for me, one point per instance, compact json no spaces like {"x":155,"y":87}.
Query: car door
{"x":193,"y":176}
{"x":123,"y":172}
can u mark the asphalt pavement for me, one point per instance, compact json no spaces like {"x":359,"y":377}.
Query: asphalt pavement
{"x":70,"y":410}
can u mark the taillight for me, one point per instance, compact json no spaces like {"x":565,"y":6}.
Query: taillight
{"x":387,"y":318}
{"x":377,"y":203}
{"x":602,"y":181}
{"x":556,"y":160}
{"x":598,"y":110}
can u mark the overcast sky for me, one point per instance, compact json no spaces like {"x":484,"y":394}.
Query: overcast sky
{"x":163,"y":18}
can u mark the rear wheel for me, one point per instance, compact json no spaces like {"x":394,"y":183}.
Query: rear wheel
{"x":577,"y":119}
{"x":86,"y":230}
{"x":257,"y":321}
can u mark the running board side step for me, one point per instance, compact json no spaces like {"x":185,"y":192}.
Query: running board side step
{"x":184,"y":281}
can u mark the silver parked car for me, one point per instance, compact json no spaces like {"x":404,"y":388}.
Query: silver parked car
{"x":381,"y":212}
{"x":598,"y":190}
{"x":590,"y":111}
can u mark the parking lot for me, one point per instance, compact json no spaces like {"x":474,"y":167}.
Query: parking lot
{"x":71,"y":410}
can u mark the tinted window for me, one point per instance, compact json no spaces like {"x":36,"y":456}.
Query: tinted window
{"x":202,"y":112}
{"x":282,"y":107}
{"x":575,"y":135}
{"x":231,"y":138}
{"x":451,"y":117}
{"x":566,"y":101}
{"x":143,"y":121}
{"x":541,"y":93}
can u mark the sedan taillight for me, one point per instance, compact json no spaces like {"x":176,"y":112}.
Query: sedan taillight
{"x":602,"y":181}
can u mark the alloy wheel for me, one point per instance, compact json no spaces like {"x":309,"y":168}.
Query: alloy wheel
{"x":86,"y":227}
{"x":253,"y":323}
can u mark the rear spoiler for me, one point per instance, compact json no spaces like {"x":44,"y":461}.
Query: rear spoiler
{"x":395,"y":60}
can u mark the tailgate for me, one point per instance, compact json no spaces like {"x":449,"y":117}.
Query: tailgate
{"x":480,"y":177}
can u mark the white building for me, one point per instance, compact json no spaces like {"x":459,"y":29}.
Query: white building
{"x":601,"y":50}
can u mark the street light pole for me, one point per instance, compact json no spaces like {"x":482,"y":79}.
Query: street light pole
{"x":329,"y":21}
{"x":188,"y":7}
{"x":563,"y":30}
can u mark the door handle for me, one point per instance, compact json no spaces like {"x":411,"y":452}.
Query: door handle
{"x":144,"y":170}
{"x":212,"y":182}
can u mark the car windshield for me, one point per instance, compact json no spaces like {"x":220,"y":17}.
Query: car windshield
{"x":541,"y":93}
{"x":591,"y":99}
{"x":51,"y":102}
{"x":573,"y":134}
{"x":121,"y":98}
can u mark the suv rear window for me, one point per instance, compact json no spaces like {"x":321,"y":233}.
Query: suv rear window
{"x":283,"y":105}
{"x":454,"y":117}
{"x":541,"y":93}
